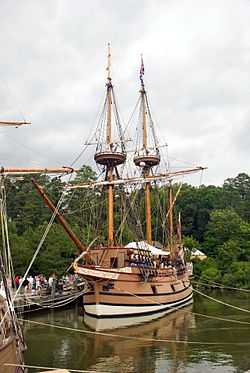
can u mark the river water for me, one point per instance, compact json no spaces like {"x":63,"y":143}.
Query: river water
{"x":195,"y":343}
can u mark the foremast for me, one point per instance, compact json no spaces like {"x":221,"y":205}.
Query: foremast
{"x":110,"y":153}
{"x":147,"y":155}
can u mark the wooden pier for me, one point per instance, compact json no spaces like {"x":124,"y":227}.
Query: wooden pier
{"x":26,"y":302}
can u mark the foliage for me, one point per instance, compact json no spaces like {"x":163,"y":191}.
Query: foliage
{"x":190,"y":242}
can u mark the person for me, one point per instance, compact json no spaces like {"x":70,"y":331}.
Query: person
{"x":51,"y":279}
{"x":38,"y":285}
{"x":25,"y":285}
{"x":17,"y":281}
{"x":33,"y":286}
{"x":60,"y":286}
{"x":30,"y":280}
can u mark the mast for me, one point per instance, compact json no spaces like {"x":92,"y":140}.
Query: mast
{"x":109,"y":142}
{"x":13,"y":123}
{"x":146,"y":170}
{"x":59,"y":217}
{"x":144,"y":119}
{"x":109,"y":97}
{"x":145,"y":159}
{"x":29,"y":171}
{"x":170,"y":218}
{"x":179,"y":235}
{"x":108,"y":155}
{"x":161,"y":177}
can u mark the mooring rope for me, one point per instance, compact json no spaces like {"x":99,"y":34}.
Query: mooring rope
{"x":49,"y":368}
{"x":142,"y":339}
{"x":221,"y":318}
{"x":194,"y":313}
{"x":221,"y":286}
{"x":221,"y":302}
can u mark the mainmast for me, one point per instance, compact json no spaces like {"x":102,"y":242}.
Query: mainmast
{"x":170,"y":224}
{"x":110,"y":153}
{"x":147,"y":155}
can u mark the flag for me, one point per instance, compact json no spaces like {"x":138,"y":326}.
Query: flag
{"x":142,"y":71}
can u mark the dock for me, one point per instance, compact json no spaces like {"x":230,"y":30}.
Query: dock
{"x":25,"y":302}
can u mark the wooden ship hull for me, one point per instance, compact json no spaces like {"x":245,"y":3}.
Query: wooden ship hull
{"x":141,"y":301}
{"x":129,"y":291}
{"x":9,"y":355}
{"x":11,"y":341}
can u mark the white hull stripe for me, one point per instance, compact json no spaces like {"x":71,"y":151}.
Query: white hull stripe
{"x":105,"y":310}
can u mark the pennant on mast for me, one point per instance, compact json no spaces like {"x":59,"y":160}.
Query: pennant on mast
{"x":142,"y":71}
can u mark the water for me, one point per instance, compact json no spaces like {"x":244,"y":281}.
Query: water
{"x":57,"y":348}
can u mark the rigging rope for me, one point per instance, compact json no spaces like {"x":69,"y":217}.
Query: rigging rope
{"x":60,"y":201}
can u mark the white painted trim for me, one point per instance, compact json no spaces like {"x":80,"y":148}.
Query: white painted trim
{"x":104,"y":310}
{"x":100,"y":324}
{"x":97,"y":273}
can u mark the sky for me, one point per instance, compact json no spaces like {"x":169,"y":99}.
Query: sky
{"x":197,"y":61}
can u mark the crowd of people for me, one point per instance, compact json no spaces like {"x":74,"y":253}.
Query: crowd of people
{"x":158,"y":262}
{"x":39,"y":284}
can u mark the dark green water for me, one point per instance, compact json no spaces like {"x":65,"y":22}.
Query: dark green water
{"x":66,"y":349}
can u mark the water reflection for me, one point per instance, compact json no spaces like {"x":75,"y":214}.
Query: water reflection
{"x":60,"y":348}
{"x":122,"y":322}
{"x":144,"y":355}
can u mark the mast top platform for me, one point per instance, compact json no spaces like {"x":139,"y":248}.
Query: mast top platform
{"x":147,"y":161}
{"x":109,"y":158}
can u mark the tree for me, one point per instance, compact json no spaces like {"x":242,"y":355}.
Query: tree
{"x":223,"y":226}
{"x":238,"y":191}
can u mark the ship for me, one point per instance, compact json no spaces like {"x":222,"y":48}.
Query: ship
{"x":12,"y":343}
{"x":140,"y":278}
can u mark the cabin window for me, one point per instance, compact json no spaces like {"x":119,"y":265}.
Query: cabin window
{"x":172,"y":287}
{"x":114,"y":262}
{"x":154,"y":289}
